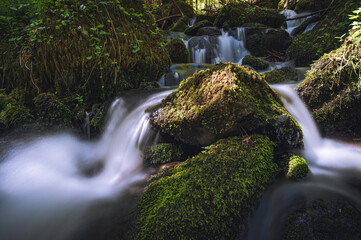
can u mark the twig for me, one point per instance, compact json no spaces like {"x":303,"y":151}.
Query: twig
{"x":169,"y":17}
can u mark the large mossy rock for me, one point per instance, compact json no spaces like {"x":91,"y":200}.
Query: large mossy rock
{"x":94,"y":48}
{"x":259,"y":41}
{"x":226,"y":100}
{"x":324,"y":38}
{"x":179,"y":26}
{"x":177,"y":51}
{"x":332,"y":91}
{"x":210,"y":195}
{"x":323,"y":219}
{"x":281,"y":75}
{"x":236,"y":14}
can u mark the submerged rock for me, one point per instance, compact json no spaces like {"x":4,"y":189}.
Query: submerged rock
{"x":255,"y":62}
{"x":177,"y":51}
{"x":324,"y":219}
{"x":226,"y":100}
{"x":210,"y":195}
{"x":332,"y":91}
{"x":281,"y":75}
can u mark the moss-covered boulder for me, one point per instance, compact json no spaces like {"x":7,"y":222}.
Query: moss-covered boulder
{"x":332,"y":91}
{"x":259,"y":42}
{"x":210,"y":195}
{"x":235,"y":14}
{"x":177,"y":51}
{"x":50,"y":111}
{"x":162,"y":153}
{"x":226,"y":100}
{"x":323,"y":219}
{"x":193,"y":30}
{"x":255,"y":62}
{"x":209,"y":31}
{"x":324,"y":38}
{"x":281,"y":75}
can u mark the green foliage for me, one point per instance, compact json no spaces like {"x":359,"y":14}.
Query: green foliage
{"x":16,"y":115}
{"x":162,"y":153}
{"x":210,"y":195}
{"x":325,"y":37}
{"x":356,"y":25}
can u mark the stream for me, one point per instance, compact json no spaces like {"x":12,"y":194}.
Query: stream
{"x":50,"y":184}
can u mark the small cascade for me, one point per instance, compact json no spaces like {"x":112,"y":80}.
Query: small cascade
{"x":47,"y":185}
{"x":293,"y":24}
{"x":297,"y":108}
{"x":334,"y":165}
{"x":199,"y":56}
{"x":310,"y":27}
{"x":191,"y":22}
{"x":231,"y":49}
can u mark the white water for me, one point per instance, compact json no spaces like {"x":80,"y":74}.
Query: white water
{"x":46,"y":186}
{"x":333,"y":166}
{"x":293,"y":24}
{"x":226,"y":49}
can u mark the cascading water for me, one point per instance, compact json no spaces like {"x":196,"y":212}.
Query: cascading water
{"x":47,"y":185}
{"x":332,"y":165}
{"x":293,"y":24}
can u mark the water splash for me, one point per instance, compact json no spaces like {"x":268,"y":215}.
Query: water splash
{"x":46,"y":186}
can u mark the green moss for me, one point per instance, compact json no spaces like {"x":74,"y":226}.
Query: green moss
{"x":295,"y":166}
{"x":210,"y":195}
{"x":281,"y":75}
{"x":51,"y":112}
{"x":332,"y":90}
{"x":178,"y":51}
{"x":16,"y":116}
{"x":235,"y":14}
{"x":324,"y":37}
{"x":226,"y":100}
{"x":255,"y":62}
{"x":162,"y":153}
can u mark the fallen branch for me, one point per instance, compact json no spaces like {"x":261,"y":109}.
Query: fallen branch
{"x":169,"y":17}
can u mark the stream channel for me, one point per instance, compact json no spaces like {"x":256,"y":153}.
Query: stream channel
{"x":55,"y":186}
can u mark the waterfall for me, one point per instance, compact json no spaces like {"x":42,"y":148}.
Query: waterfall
{"x":47,"y":185}
{"x":333,"y":164}
{"x":293,"y":24}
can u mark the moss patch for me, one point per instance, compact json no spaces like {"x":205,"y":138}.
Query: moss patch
{"x":210,"y":195}
{"x":255,"y":62}
{"x":332,"y":90}
{"x":281,"y":75}
{"x":162,"y":153}
{"x":235,"y":14}
{"x":296,"y":167}
{"x":178,"y":51}
{"x":226,"y":100}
